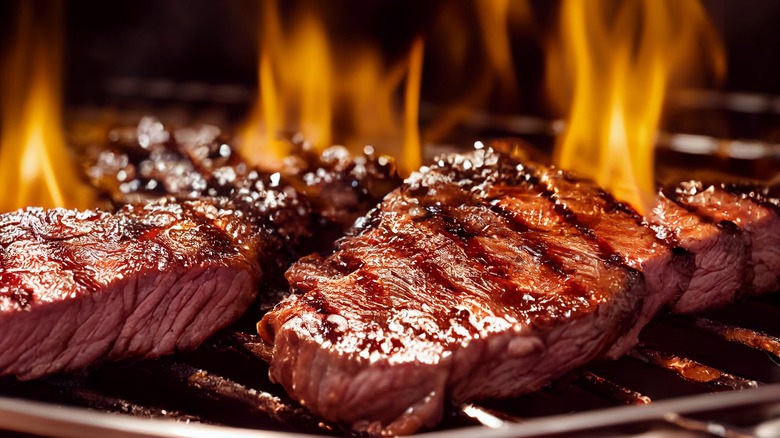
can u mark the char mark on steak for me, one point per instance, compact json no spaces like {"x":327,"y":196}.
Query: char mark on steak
{"x":148,"y":280}
{"x":722,"y":250}
{"x":197,"y":233}
{"x":749,"y":209}
{"x":480,"y":277}
{"x":666,"y":266}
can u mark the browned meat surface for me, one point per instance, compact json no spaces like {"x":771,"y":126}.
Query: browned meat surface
{"x":331,"y":189}
{"x":470,"y":281}
{"x":199,"y":235}
{"x":722,"y":250}
{"x":79,"y":287}
{"x":667,"y":268}
{"x":751,"y":211}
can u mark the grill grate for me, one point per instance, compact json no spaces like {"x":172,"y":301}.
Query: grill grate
{"x":224,"y":384}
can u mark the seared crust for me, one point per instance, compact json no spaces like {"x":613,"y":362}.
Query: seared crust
{"x":79,"y":287}
{"x":466,"y":283}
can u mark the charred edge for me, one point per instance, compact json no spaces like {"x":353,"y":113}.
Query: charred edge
{"x":691,"y":370}
{"x":611,"y":390}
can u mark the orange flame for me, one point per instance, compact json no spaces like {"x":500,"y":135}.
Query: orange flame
{"x":620,"y":58}
{"x":495,"y":76}
{"x":309,"y":86}
{"x":35,"y":168}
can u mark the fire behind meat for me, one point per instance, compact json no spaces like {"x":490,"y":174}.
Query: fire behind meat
{"x":196,"y":236}
{"x":486,"y":277}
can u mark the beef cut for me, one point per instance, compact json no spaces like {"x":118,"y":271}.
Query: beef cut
{"x":148,"y":280}
{"x":722,"y":249}
{"x":667,"y":267}
{"x":331,"y":188}
{"x":480,"y":277}
{"x":746,"y":207}
{"x":198,"y":235}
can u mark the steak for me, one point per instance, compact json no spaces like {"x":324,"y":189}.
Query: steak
{"x":666,"y":266}
{"x":331,"y":188}
{"x":148,"y":280}
{"x":480,"y":277}
{"x":750,"y":210}
{"x":722,"y":250}
{"x":197,"y":235}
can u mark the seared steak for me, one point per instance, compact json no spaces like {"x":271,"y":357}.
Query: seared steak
{"x":667,"y":268}
{"x":199,"y":235}
{"x":332,"y":188}
{"x":78,"y":287}
{"x":723,"y":252}
{"x":480,"y":277}
{"x":748,"y":209}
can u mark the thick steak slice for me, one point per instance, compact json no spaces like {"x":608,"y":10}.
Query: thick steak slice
{"x":667,"y":267}
{"x":462,"y":285}
{"x":78,"y":287}
{"x":749,"y":210}
{"x":722,"y":249}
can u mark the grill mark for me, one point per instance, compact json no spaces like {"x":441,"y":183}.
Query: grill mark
{"x":725,"y":226}
{"x":611,"y":206}
{"x":458,"y":232}
{"x":606,"y":251}
{"x":538,"y":249}
{"x":455,"y":230}
{"x":753,"y":193}
{"x":430,"y":271}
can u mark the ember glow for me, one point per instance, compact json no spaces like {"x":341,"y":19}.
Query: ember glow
{"x":35,"y":167}
{"x":308,"y":85}
{"x":612,"y":68}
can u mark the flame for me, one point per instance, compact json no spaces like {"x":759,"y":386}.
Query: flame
{"x":495,"y":77}
{"x":621,"y":57}
{"x":346,"y":94}
{"x":35,"y":168}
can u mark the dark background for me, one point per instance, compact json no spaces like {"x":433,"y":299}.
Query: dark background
{"x":117,"y":51}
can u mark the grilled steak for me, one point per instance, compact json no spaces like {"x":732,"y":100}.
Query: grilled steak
{"x":480,"y":277}
{"x":78,"y":287}
{"x":748,"y":209}
{"x":722,"y":249}
{"x":667,"y":268}
{"x":332,"y":188}
{"x":199,"y":235}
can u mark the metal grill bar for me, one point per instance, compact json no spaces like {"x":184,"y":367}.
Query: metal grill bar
{"x":691,"y":370}
{"x":612,"y":391}
{"x":732,"y":333}
{"x":222,"y":389}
